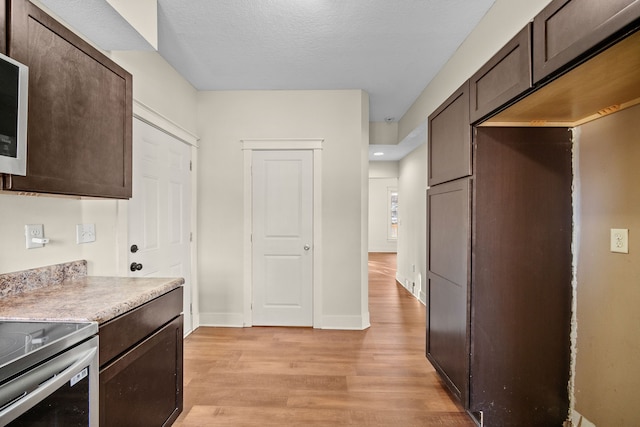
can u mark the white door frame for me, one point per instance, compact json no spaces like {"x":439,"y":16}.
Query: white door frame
{"x":248,"y":146}
{"x":157,"y":120}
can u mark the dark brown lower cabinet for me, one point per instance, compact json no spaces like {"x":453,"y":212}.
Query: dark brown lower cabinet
{"x":448,"y":207}
{"x":143,"y":387}
{"x":521,"y":276}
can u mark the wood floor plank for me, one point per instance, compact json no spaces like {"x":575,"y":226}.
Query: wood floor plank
{"x":272,"y":376}
{"x":201,"y":416}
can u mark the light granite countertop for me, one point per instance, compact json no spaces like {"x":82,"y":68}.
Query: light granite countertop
{"x":86,"y":298}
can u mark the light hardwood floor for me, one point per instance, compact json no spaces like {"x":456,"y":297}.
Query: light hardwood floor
{"x":307,"y":377}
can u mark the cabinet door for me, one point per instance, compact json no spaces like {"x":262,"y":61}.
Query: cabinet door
{"x":566,"y":29}
{"x":448,"y":210}
{"x":503,"y":77}
{"x":450,"y":139}
{"x":144,"y":386}
{"x":80,"y":111}
{"x":521,"y":286}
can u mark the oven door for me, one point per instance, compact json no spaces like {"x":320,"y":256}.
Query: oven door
{"x":61,"y":391}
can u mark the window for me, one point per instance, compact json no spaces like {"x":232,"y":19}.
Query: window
{"x":392,"y":233}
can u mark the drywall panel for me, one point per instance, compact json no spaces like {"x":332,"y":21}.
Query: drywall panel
{"x":412,"y":234}
{"x":608,"y":284}
{"x":383,"y":169}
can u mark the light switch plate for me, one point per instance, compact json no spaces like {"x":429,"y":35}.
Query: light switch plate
{"x":85,"y":233}
{"x":620,"y":240}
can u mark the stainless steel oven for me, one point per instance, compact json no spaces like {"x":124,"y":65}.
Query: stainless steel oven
{"x":48,"y":374}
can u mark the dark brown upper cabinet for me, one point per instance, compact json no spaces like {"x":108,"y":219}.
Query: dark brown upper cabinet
{"x":567,"y":29}
{"x":505,"y":76}
{"x":450,"y":139}
{"x":80,"y":111}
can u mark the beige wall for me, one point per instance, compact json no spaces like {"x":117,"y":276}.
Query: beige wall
{"x":608,"y":343}
{"x":142,"y":15}
{"x":383,"y":133}
{"x":226,"y":118}
{"x":158,"y":86}
{"x":412,"y":238}
{"x":383,"y":169}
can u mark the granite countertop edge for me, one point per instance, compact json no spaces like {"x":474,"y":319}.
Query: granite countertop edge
{"x":88,"y":298}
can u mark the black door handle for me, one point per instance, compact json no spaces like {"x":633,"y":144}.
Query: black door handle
{"x":134,"y":249}
{"x":135,"y":266}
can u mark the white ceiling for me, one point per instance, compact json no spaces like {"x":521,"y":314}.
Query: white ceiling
{"x":389,"y":48}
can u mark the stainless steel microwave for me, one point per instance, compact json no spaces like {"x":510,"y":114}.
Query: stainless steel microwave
{"x":14,"y":87}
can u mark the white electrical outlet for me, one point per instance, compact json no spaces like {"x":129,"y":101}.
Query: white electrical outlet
{"x":85,"y":233}
{"x":620,"y":240}
{"x":34,"y":231}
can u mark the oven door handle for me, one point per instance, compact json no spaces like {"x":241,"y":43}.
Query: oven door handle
{"x":27,"y":396}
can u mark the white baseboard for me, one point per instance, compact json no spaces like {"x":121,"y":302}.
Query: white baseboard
{"x":382,"y":249}
{"x":351,"y":323}
{"x":229,"y":320}
{"x":407,"y":283}
{"x":235,"y":320}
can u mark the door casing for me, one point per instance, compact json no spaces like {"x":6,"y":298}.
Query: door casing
{"x":248,"y":146}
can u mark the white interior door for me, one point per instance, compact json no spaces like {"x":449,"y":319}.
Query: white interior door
{"x":159,"y":211}
{"x":282,"y":234}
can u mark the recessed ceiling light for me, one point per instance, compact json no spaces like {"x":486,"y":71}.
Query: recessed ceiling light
{"x":378,"y":153}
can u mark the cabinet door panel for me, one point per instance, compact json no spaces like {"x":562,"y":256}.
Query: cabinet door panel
{"x":450,"y":139}
{"x":144,"y":386}
{"x":448,"y":229}
{"x":521,"y":284}
{"x":79,"y":124}
{"x":503,"y":77}
{"x":448,"y":213}
{"x":447,"y":343}
{"x":566,"y":29}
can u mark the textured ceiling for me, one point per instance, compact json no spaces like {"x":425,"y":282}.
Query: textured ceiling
{"x":389,"y":48}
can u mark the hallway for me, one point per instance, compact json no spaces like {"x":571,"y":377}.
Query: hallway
{"x":265,"y":376}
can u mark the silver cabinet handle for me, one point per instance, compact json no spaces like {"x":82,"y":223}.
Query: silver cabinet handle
{"x":307,"y":247}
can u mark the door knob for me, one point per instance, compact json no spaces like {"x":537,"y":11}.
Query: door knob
{"x":307,"y":247}
{"x":134,"y":249}
{"x":135,"y":266}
